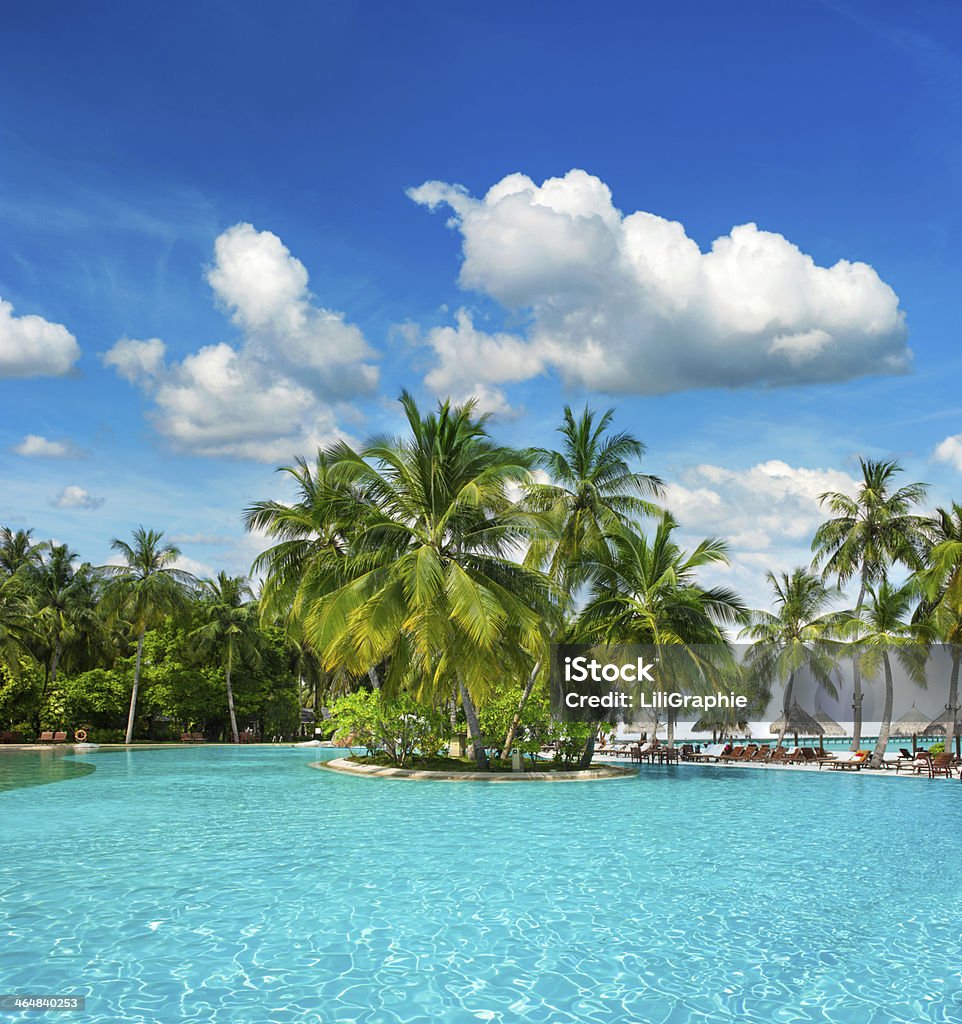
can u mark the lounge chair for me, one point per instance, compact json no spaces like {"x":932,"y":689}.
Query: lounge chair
{"x":735,"y":754}
{"x":712,"y":752}
{"x":941,"y":765}
{"x":847,"y":760}
{"x":762,"y":755}
{"x":917,"y":764}
{"x":779,"y":755}
{"x":46,"y":737}
{"x":60,"y":737}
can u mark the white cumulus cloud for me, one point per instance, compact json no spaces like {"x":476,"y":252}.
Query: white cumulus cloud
{"x":275,"y":393}
{"x":950,"y":450}
{"x":73,"y":496}
{"x":768,"y":513}
{"x":473,"y":363}
{"x":35,"y":446}
{"x":631,"y":304}
{"x":33,"y":347}
{"x":137,"y":361}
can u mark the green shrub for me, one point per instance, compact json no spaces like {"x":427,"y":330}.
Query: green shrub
{"x":400,"y":727}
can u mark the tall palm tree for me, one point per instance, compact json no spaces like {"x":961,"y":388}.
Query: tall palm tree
{"x":940,"y":582}
{"x":64,"y":599}
{"x":310,"y":532}
{"x":592,"y":489}
{"x":143,"y":591}
{"x":16,"y":629}
{"x":18,"y":551}
{"x":427,"y":584}
{"x":646,"y":591}
{"x":869,"y":532}
{"x":229,"y":628}
{"x":883,"y":629}
{"x":795,"y":637}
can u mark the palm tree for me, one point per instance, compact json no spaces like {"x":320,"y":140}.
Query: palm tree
{"x":868,"y":533}
{"x":884,"y":627}
{"x":65,"y":602}
{"x":592,"y":490}
{"x":311,"y":531}
{"x":427,"y":584}
{"x":229,"y":628}
{"x":15,"y":624}
{"x":941,"y":586}
{"x":17,"y":550}
{"x":143,"y":591}
{"x":645,"y":591}
{"x":795,"y":637}
{"x":63,"y":598}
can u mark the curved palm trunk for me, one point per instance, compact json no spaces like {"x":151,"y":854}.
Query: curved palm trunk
{"x":474,"y":727}
{"x":786,"y":707}
{"x":132,"y":714}
{"x":230,"y":701}
{"x":953,"y":697}
{"x":55,"y":660}
{"x":515,"y":721}
{"x":589,"y":751}
{"x":670,"y":727}
{"x":857,"y":678}
{"x":374,"y":678}
{"x":883,"y":736}
{"x":49,"y":680}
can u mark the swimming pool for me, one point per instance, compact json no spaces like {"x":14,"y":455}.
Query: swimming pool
{"x":238,"y":885}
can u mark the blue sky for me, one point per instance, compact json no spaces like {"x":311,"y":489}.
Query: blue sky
{"x":136,"y":143}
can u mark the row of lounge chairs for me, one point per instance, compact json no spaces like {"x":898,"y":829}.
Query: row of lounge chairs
{"x":922,"y":763}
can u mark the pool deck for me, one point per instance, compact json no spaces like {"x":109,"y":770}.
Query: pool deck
{"x":594,"y":774}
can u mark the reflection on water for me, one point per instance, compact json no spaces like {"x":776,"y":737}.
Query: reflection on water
{"x":19,"y":768}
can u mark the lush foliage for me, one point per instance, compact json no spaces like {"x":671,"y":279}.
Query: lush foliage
{"x":414,"y":587}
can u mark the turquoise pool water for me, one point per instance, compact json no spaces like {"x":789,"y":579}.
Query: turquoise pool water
{"x":238,"y":885}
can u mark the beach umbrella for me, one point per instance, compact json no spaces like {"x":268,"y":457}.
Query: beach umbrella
{"x":940,"y":727}
{"x":718,"y":724}
{"x":912,"y":723}
{"x":831,"y":727}
{"x":646,"y":720}
{"x":798,"y":722}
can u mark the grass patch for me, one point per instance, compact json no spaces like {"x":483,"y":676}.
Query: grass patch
{"x":459,"y":764}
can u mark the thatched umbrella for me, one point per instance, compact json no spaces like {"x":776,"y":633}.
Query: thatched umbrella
{"x":940,"y":727}
{"x":831,"y":727}
{"x":798,"y":722}
{"x":719,"y":725}
{"x":647,"y":720}
{"x":912,"y":723}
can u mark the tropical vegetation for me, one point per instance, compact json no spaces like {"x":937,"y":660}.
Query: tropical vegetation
{"x":412,"y":592}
